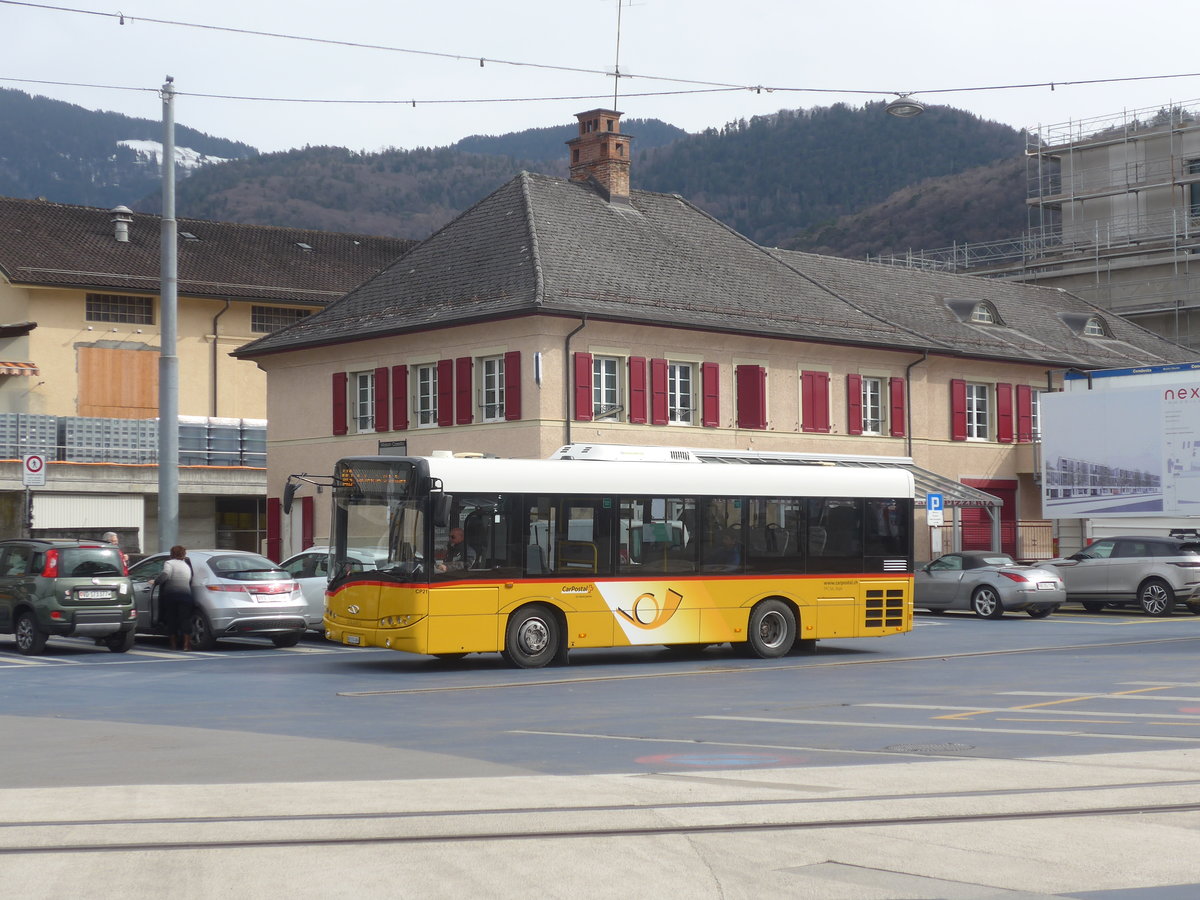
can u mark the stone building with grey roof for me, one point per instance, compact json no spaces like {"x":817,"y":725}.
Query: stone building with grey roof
{"x":79,"y":352}
{"x":559,"y":311}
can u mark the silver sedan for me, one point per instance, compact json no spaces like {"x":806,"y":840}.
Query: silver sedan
{"x":987,"y":583}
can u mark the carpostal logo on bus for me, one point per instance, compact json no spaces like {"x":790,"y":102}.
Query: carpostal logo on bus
{"x":1184,"y":393}
{"x":576,"y":589}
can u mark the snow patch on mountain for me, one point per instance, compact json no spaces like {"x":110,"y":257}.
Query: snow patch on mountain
{"x":185,"y":157}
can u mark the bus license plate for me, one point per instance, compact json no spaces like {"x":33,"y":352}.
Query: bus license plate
{"x":95,"y":595}
{"x":352,"y":639}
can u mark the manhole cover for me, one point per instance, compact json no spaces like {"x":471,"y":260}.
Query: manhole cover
{"x":929,"y":748}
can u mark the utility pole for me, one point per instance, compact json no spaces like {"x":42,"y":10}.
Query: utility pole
{"x":168,"y":362}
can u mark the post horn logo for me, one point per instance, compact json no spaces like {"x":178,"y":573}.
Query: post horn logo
{"x":648,"y":613}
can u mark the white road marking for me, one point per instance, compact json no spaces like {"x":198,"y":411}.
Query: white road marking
{"x":958,"y":728}
{"x":1054,"y":711}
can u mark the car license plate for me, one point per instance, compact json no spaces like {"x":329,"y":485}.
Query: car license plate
{"x":1046,"y":585}
{"x":95,"y":595}
{"x":352,"y":639}
{"x":271,"y":598}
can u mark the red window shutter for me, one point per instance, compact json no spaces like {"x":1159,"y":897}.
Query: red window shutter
{"x":306,"y":523}
{"x":751,"y":396}
{"x":814,"y":399}
{"x":445,"y":393}
{"x":637,"y":390}
{"x":583,"y":387}
{"x":400,"y":397}
{"x":1024,"y":413}
{"x":854,"y":420}
{"x":463,"y":390}
{"x":1004,"y":413}
{"x":383,"y":404}
{"x":340,"y":382}
{"x":958,"y":409}
{"x":274,"y":537}
{"x":897,"y":414}
{"x":658,"y":392}
{"x":710,"y":408}
{"x":512,"y":385}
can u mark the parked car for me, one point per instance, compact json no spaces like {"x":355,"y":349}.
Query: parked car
{"x":236,"y":593}
{"x":311,"y":571}
{"x":63,"y":587}
{"x":1156,"y":573}
{"x":990,"y":584}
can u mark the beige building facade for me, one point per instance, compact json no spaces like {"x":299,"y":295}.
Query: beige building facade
{"x":558,"y":312}
{"x":80,"y":339}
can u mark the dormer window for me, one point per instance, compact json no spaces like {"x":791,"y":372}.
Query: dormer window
{"x":1086,"y":325}
{"x":982,"y":314}
{"x":974,"y":312}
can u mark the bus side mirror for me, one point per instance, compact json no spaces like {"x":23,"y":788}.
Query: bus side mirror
{"x":289,"y":494}
{"x":442,"y":504}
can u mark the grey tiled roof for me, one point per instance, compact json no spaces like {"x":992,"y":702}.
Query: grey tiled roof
{"x":55,"y":244}
{"x":540,"y":244}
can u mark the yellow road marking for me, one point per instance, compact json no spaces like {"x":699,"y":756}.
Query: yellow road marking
{"x":981,"y":712}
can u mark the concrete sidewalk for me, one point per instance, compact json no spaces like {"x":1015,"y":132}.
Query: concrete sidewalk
{"x":957,"y":829}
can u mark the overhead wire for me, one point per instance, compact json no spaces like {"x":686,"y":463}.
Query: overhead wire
{"x":701,"y":86}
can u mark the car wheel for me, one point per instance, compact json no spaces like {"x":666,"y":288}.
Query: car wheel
{"x":201,"y":632}
{"x":121,"y":642}
{"x":532,"y":637}
{"x":31,"y":640}
{"x":1156,"y":598}
{"x":986,"y":603}
{"x":1040,"y":612}
{"x":285,"y":640}
{"x":771,"y":631}
{"x":1093,"y":605}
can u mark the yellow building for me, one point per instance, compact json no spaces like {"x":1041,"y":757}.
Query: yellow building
{"x":79,"y":352}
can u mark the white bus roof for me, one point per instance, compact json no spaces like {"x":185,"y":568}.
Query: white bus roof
{"x":659,"y":479}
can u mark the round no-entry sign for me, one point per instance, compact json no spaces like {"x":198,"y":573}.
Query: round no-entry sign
{"x":33,"y":470}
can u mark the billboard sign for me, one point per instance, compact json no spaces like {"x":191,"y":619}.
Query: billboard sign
{"x":1132,"y":452}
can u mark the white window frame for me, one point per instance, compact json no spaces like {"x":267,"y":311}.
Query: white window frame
{"x":873,"y":410}
{"x":425,"y":394}
{"x":1035,"y":416}
{"x":978,"y":409}
{"x":491,"y":388}
{"x":681,"y":393}
{"x":606,"y":388}
{"x":362,"y":385}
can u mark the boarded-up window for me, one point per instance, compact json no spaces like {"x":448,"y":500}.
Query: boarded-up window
{"x":118,"y":384}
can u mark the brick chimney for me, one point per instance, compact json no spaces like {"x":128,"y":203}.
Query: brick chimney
{"x":601,"y":153}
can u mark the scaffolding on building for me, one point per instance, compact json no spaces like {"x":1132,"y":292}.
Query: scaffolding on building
{"x":1136,"y":258}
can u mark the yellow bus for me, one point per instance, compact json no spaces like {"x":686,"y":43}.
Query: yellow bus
{"x":532,"y":558}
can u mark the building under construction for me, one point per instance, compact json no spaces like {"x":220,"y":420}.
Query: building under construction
{"x":1114,"y":217}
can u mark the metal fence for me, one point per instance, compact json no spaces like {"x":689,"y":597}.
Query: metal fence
{"x":203,"y":441}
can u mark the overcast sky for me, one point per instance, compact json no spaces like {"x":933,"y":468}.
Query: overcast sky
{"x":832,"y":50}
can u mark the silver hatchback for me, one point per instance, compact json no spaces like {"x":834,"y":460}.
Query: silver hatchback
{"x":236,"y":594}
{"x":1156,"y":573}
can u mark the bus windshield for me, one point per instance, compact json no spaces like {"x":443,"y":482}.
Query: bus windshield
{"x":378,"y":516}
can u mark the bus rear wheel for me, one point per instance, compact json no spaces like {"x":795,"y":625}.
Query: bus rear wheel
{"x":771,"y":631}
{"x":532,"y":637}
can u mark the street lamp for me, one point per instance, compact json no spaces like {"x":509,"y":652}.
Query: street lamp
{"x":904,"y":107}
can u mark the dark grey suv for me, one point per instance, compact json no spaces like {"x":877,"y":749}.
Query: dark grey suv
{"x":1156,"y":573}
{"x":60,"y":587}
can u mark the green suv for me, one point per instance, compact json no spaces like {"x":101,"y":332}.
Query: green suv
{"x":62,"y":587}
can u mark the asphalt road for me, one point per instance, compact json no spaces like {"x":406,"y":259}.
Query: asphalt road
{"x":628,"y":772}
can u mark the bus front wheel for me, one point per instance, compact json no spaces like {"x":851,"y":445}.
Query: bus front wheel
{"x":771,"y":631}
{"x":532,"y":638}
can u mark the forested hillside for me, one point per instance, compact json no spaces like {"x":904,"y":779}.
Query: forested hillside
{"x":982,"y":204}
{"x":790,"y":179}
{"x":70,"y":154}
